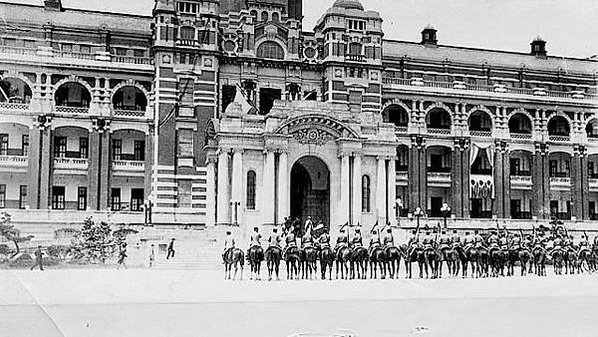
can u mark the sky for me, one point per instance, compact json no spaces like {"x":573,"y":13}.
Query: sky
{"x":570,"y":27}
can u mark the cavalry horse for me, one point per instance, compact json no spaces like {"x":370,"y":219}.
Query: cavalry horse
{"x":377,"y":260}
{"x":570,"y":259}
{"x":525,"y":256}
{"x":233,"y":258}
{"x":558,"y":256}
{"x":273,"y":257}
{"x":584,"y":260}
{"x":412,"y":254}
{"x":359,"y":262}
{"x":450,"y":257}
{"x":309,"y":259}
{"x":255,"y":256}
{"x":393,"y":261}
{"x":469,"y":256}
{"x":539,"y":256}
{"x":343,"y":258}
{"x":292,"y":259}
{"x":326,"y":256}
{"x":431,"y":262}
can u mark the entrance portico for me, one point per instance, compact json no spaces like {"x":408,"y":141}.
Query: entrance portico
{"x":309,"y":159}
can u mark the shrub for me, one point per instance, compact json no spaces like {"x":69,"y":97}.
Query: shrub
{"x":24,"y":260}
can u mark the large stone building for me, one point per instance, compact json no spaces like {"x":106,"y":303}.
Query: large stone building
{"x":231,"y":112}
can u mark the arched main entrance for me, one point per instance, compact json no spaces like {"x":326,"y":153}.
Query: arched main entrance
{"x":310,"y":190}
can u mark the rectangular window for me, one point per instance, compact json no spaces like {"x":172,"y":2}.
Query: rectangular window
{"x":85,"y":49}
{"x":82,"y":198}
{"x":137,"y":197}
{"x":139,"y":150}
{"x":117,"y":149}
{"x":23,"y":196}
{"x":2,"y":196}
{"x":67,"y":47}
{"x":59,"y":147}
{"x":186,"y":87}
{"x":25,"y":145}
{"x":3,"y":144}
{"x":58,"y":201}
{"x":115,"y":199}
{"x":83,"y":147}
{"x":553,"y":168}
{"x":185,"y":143}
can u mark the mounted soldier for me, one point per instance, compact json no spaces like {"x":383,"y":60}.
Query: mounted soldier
{"x":255,"y":238}
{"x":324,"y":240}
{"x":375,"y":239}
{"x":388,"y":240}
{"x":342,"y":240}
{"x":274,"y":239}
{"x":357,"y":239}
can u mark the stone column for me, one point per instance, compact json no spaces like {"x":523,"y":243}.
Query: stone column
{"x":423,"y":179}
{"x":93,"y":169}
{"x":507,"y":183}
{"x":283,"y":188}
{"x":211,"y":190}
{"x":381,"y":191}
{"x":392,"y":192}
{"x":105,"y":167}
{"x":357,"y":189}
{"x":577,"y":183}
{"x":540,"y":181}
{"x":497,"y":210}
{"x":466,"y":176}
{"x":585,"y":185}
{"x":223,"y":193}
{"x":237,"y":187}
{"x":344,"y":202}
{"x":267,"y":189}
{"x":40,"y":167}
{"x":457,"y":181}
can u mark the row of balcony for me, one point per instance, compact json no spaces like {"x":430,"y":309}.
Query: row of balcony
{"x":98,"y":56}
{"x":497,"y":88}
{"x":78,"y":164}
{"x":72,"y":110}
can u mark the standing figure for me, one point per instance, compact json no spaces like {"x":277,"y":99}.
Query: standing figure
{"x":122,"y":256}
{"x":170,"y":252}
{"x":152,"y":256}
{"x":38,"y":259}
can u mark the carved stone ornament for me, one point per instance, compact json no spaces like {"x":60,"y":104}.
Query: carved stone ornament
{"x":312,"y":136}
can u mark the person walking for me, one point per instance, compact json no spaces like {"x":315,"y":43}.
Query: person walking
{"x":152,"y":256}
{"x":122,"y":256}
{"x":39,"y":261}
{"x":170,"y":252}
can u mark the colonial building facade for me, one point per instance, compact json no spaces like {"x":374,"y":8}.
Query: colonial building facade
{"x":231,"y":113}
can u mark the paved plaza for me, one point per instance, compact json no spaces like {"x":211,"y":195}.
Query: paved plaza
{"x":142,"y":302}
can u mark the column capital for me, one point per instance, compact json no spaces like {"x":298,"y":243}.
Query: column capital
{"x":461,"y":144}
{"x":418,"y":142}
{"x":211,"y":159}
{"x":541,"y":149}
{"x":502,"y":146}
{"x":580,"y":150}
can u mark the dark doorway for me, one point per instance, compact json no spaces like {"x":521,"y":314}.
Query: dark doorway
{"x":436,"y":206}
{"x":310,"y":190}
{"x":267,"y":98}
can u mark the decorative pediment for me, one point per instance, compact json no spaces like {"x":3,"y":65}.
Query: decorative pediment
{"x":316,"y":129}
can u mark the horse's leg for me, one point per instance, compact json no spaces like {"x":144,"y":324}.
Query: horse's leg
{"x":337,"y":269}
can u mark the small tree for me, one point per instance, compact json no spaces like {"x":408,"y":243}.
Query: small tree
{"x":95,"y":240}
{"x":11,"y":233}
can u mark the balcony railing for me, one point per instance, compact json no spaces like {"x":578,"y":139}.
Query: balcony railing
{"x":439,"y":131}
{"x":559,"y":138}
{"x":72,"y":110}
{"x":402,"y":176}
{"x":129,"y":113}
{"x":593,"y":216}
{"x":48,"y":52}
{"x":14,"y":161}
{"x":400,"y":129}
{"x":515,"y":135}
{"x":439,"y":177}
{"x":564,"y":182}
{"x":521,"y":181}
{"x":14,"y":106}
{"x":522,"y":173}
{"x":485,"y":134}
{"x":128,"y":165}
{"x":593,"y":182}
{"x":560,"y":175}
{"x":71,"y":163}
{"x":563,"y":215}
{"x":485,"y":172}
{"x":521,"y":215}
{"x":355,"y":58}
{"x":498,"y":88}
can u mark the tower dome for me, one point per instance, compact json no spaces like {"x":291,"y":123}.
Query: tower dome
{"x":348,"y":4}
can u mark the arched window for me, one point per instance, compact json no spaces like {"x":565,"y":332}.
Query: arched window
{"x":365,"y":194}
{"x":253,"y":13}
{"x":265,"y":16}
{"x":270,"y":50}
{"x":275,"y":17}
{"x":355,"y":48}
{"x":250,"y":201}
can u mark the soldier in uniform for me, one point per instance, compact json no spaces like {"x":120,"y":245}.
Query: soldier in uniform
{"x":444,"y":243}
{"x":290,"y":241}
{"x":274,"y":239}
{"x":492,"y":242}
{"x":468,"y":241}
{"x":357,"y":239}
{"x":455,"y":239}
{"x":374,"y":241}
{"x":428,"y":241}
{"x":584,"y":244}
{"x":255,"y":238}
{"x":342,"y":240}
{"x":516,"y":242}
{"x":229,"y":244}
{"x":324,"y":240}
{"x":388,"y":240}
{"x":478,"y":239}
{"x":503,"y":240}
{"x":307,"y":240}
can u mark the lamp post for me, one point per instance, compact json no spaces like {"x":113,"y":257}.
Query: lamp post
{"x":418,"y":214}
{"x":399,"y":209}
{"x":446,"y":211}
{"x":235,"y":204}
{"x":148,"y":212}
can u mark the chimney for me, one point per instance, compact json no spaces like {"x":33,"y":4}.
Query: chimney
{"x":429,"y":36}
{"x":53,"y":5}
{"x":538,"y":47}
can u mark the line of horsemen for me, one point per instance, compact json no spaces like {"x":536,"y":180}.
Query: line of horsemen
{"x":492,"y":252}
